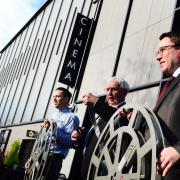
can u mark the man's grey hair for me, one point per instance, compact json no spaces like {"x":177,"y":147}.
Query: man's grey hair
{"x":122,"y":83}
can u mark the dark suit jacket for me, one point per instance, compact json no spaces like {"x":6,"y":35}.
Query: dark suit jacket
{"x":168,"y":113}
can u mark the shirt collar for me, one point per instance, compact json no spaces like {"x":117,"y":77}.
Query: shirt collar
{"x":63,"y":109}
{"x":177,"y":72}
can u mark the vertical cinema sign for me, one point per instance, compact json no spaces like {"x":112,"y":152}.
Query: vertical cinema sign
{"x":75,"y":51}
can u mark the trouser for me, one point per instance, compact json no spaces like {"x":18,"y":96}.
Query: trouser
{"x":53,"y":166}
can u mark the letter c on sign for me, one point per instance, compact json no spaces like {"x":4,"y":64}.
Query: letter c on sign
{"x":83,"y":21}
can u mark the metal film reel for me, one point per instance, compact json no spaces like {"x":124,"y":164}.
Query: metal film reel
{"x":39,"y":154}
{"x":128,"y":152}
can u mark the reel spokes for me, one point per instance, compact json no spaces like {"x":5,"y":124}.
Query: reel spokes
{"x":39,"y":154}
{"x":128,"y":152}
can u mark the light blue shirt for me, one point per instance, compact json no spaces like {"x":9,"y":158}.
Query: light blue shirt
{"x":66,"y":122}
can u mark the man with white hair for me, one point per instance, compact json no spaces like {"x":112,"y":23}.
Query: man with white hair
{"x":116,"y":90}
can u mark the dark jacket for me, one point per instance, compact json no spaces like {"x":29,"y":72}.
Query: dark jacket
{"x":104,"y":112}
{"x":168,"y":113}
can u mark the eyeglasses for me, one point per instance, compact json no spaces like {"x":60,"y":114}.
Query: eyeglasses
{"x":164,"y":48}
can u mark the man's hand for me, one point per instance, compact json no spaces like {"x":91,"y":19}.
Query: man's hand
{"x":74,"y":136}
{"x":126,"y":113}
{"x":77,"y":135}
{"x":46,"y":123}
{"x":89,"y":99}
{"x":168,"y":157}
{"x":27,"y":166}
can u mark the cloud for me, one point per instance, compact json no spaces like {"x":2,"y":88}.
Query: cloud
{"x":14,"y":14}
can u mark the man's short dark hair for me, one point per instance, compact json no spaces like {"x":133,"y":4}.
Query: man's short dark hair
{"x":173,"y":35}
{"x":65,"y":91}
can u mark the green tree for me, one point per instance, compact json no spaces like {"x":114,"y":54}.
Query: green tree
{"x":12,"y":159}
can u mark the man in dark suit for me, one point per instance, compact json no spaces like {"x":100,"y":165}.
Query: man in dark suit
{"x":168,"y":106}
{"x":116,"y":90}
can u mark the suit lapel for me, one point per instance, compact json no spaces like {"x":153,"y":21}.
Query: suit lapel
{"x":174,"y":83}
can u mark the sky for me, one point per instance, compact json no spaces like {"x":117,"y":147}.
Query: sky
{"x":14,"y":14}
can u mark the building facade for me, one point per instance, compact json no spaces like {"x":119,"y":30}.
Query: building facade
{"x":120,"y":40}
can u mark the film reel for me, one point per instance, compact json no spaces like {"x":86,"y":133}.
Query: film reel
{"x":128,"y":152}
{"x":39,"y":154}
